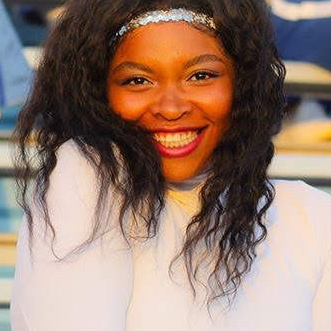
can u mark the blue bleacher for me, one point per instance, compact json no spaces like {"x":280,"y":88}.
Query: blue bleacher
{"x":15,"y":74}
{"x":10,"y":212}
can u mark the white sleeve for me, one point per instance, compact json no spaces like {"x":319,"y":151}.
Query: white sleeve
{"x":322,"y":300}
{"x":320,"y":207}
{"x":92,"y":290}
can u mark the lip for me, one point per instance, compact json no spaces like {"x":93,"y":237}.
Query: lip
{"x":182,"y":151}
{"x":177,"y":129}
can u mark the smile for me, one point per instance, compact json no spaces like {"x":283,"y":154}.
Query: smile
{"x":180,"y":139}
{"x":178,"y":144}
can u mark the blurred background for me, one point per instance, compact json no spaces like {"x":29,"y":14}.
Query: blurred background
{"x":303,"y":148}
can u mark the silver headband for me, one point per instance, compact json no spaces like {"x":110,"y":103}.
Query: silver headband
{"x":173,"y":15}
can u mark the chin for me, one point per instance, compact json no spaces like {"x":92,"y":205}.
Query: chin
{"x":181,"y":171}
{"x":178,"y":176}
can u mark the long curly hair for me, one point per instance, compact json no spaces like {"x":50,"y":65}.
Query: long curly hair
{"x":69,"y":101}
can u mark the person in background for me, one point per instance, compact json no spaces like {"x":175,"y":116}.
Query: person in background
{"x":29,"y":22}
{"x":303,"y":34}
{"x":303,"y":30}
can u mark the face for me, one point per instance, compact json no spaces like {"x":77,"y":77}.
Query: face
{"x":177,"y":82}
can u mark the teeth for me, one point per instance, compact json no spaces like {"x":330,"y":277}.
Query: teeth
{"x":173,"y":140}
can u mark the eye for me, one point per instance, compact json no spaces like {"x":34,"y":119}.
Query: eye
{"x":135,"y":81}
{"x":203,"y":75}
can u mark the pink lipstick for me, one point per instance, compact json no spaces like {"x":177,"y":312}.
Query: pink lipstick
{"x":180,"y":151}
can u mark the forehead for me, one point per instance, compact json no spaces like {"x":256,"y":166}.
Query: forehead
{"x":167,"y":41}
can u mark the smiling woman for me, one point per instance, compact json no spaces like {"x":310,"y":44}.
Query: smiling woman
{"x":152,"y":208}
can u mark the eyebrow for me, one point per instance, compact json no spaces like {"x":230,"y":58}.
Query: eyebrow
{"x":190,"y":63}
{"x":201,"y":59}
{"x":133,"y":65}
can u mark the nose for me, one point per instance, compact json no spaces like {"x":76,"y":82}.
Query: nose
{"x":171,"y":104}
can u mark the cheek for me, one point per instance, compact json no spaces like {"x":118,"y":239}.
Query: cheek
{"x":216,"y":104}
{"x":216,"y":100}
{"x":128,"y":107}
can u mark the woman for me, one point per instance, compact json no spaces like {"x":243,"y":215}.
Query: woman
{"x":152,"y":208}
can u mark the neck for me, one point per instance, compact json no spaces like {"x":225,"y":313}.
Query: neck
{"x":191,"y":183}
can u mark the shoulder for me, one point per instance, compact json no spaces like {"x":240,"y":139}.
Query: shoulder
{"x":72,"y":191}
{"x":303,"y":212}
{"x":302,"y":195}
{"x":72,"y":200}
{"x":71,"y":160}
{"x":69,"y":148}
{"x":74,"y":181}
{"x":74,"y":172}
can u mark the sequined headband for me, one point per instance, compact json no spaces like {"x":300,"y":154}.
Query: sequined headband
{"x":172,"y":15}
